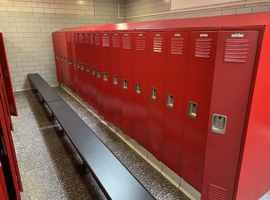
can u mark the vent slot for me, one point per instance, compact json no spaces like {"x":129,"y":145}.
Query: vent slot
{"x":177,"y":46}
{"x":116,"y":41}
{"x":155,"y":144}
{"x":91,"y":40}
{"x":80,"y":38}
{"x":127,"y":127}
{"x":192,"y":172}
{"x":126,"y":42}
{"x":216,"y":193}
{"x":171,"y":156}
{"x":86,"y":39}
{"x":140,"y":135}
{"x":158,"y":44}
{"x":236,"y":50}
{"x":202,"y":47}
{"x":105,"y":41}
{"x":140,"y":43}
{"x":97,"y":41}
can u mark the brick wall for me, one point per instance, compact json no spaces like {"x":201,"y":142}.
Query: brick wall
{"x":141,"y":7}
{"x":27,"y":26}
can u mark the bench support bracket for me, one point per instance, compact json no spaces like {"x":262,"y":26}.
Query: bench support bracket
{"x":82,"y":169}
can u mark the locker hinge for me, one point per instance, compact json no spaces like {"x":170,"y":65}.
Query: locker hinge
{"x":3,"y":146}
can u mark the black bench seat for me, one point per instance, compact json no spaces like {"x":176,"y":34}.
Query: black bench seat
{"x":114,"y":179}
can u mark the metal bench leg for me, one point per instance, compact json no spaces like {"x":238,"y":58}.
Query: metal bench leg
{"x":51,"y":118}
{"x":34,"y":90}
{"x":61,"y":133}
{"x":82,"y":169}
{"x":42,"y":101}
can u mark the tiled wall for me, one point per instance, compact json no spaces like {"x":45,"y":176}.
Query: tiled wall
{"x":142,"y":7}
{"x":27,"y":26}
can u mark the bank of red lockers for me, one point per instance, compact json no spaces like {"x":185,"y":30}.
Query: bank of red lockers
{"x":190,"y":91}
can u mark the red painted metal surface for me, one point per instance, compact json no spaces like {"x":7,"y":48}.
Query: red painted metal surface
{"x":117,"y":85}
{"x":127,"y":82}
{"x":73,"y":68}
{"x":3,"y":190}
{"x":77,"y":69}
{"x":199,"y":88}
{"x":70,"y":41}
{"x":107,"y":79}
{"x":141,"y":63}
{"x":92,"y":80}
{"x":230,"y":92}
{"x":155,"y":90}
{"x":7,"y":78}
{"x":177,"y":54}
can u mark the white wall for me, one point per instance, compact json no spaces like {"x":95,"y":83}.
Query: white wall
{"x":27,"y":26}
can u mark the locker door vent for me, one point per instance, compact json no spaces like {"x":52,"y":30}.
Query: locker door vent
{"x":236,"y":50}
{"x":177,"y":46}
{"x":140,"y":43}
{"x":91,"y":40}
{"x":127,"y":127}
{"x":72,"y":38}
{"x":118,"y":120}
{"x":171,"y":156}
{"x":68,"y":38}
{"x":126,"y":42}
{"x":155,"y":144}
{"x":80,"y":38}
{"x":216,"y":193}
{"x":116,"y":42}
{"x":202,"y":47}
{"x":140,"y":135}
{"x":86,"y":39}
{"x":192,"y":172}
{"x":97,"y":42}
{"x":158,"y":44}
{"x":105,"y":41}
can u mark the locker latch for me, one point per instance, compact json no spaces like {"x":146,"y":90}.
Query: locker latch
{"x":125,"y":84}
{"x":62,"y":58}
{"x":154,"y":94}
{"x":138,"y":88}
{"x":3,"y":146}
{"x":82,"y":66}
{"x":69,"y":62}
{"x":93,"y":71}
{"x":56,"y":57}
{"x":74,"y":63}
{"x":219,"y":123}
{"x":98,"y":73}
{"x":192,"y":110}
{"x":170,"y":101}
{"x":87,"y":68}
{"x":115,"y":80}
{"x":78,"y":65}
{"x":65,"y":59}
{"x":105,"y":77}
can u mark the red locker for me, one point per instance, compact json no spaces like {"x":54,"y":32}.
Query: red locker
{"x":141,"y":63}
{"x":7,"y":78}
{"x":73,"y":65}
{"x":107,"y":79}
{"x":116,"y":77}
{"x":86,"y":71}
{"x":127,"y":82}
{"x":80,"y":62}
{"x":177,"y":54}
{"x":234,"y":64}
{"x":70,"y":59}
{"x":155,"y":90}
{"x":62,"y":52}
{"x":99,"y":71}
{"x":92,"y":79}
{"x":65,"y":60}
{"x":197,"y":105}
{"x":77,"y":69}
{"x":58,"y":56}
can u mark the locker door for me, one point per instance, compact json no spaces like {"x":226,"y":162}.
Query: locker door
{"x":86,"y":68}
{"x":201,"y":65}
{"x":92,"y":73}
{"x":61,"y":58}
{"x":156,"y":89}
{"x":7,"y":78}
{"x":99,"y":93}
{"x":80,"y":65}
{"x":65,"y":60}
{"x":116,"y":80}
{"x":177,"y":54}
{"x":105,"y":55}
{"x":58,"y":61}
{"x":77,"y":69}
{"x":127,"y":82}
{"x":3,"y":187}
{"x":73,"y":64}
{"x":233,"y":72}
{"x":70,"y":41}
{"x":141,"y":62}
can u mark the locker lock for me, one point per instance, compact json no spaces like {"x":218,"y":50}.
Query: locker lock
{"x":105,"y":77}
{"x":192,"y":110}
{"x":87,"y":68}
{"x":219,"y":124}
{"x":115,"y":80}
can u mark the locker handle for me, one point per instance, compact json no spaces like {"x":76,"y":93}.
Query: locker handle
{"x":170,"y":101}
{"x":105,"y":77}
{"x":98,"y":73}
{"x":125,"y":84}
{"x":69,"y":62}
{"x":87,"y":68}
{"x":219,"y":123}
{"x":192,"y":110}
{"x":154,"y":94}
{"x":74,"y":63}
{"x":62,"y":58}
{"x":115,"y":80}
{"x":65,"y":59}
{"x":56,"y":56}
{"x":93,"y":71}
{"x":82,"y":66}
{"x":78,"y":65}
{"x":138,"y":88}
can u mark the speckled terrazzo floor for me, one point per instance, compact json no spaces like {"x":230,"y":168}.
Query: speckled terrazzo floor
{"x":48,"y":162}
